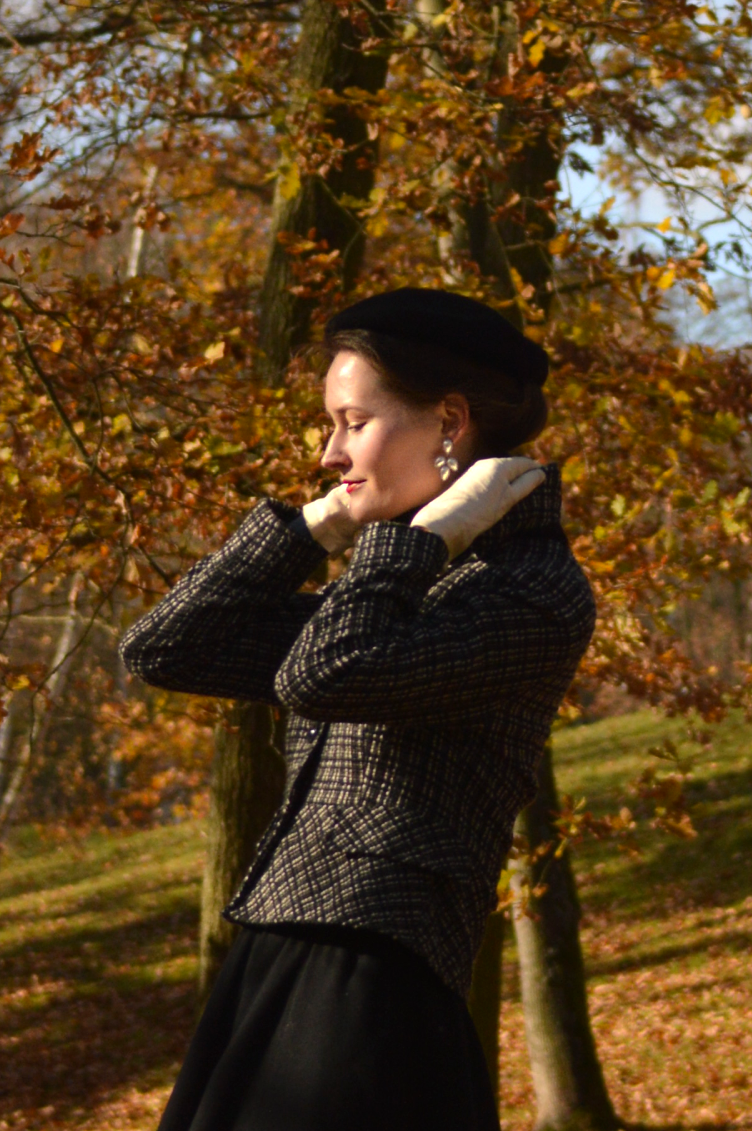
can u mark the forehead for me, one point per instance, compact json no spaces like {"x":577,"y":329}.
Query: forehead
{"x":352,"y":381}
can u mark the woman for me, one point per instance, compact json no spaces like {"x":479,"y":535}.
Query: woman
{"x":421,"y":687}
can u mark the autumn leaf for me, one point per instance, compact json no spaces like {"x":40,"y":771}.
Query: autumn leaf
{"x":215,"y":351}
{"x":10,"y":223}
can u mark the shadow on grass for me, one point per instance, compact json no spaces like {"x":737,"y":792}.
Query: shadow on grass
{"x":28,"y":874}
{"x":708,"y":871}
{"x":114,"y":897}
{"x":732,"y":940}
{"x":80,"y":1025}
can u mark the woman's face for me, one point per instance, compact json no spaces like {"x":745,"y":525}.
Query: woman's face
{"x":382,"y":446}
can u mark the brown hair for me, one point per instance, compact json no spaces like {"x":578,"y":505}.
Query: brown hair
{"x":507,"y":410}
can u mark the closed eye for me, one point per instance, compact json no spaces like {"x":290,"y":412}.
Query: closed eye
{"x":355,"y":427}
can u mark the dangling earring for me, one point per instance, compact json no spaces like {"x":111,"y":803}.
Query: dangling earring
{"x":446,"y":463}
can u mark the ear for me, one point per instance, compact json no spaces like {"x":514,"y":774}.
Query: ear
{"x":455,"y":416}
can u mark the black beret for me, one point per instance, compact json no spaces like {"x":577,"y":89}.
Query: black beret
{"x":460,"y":324}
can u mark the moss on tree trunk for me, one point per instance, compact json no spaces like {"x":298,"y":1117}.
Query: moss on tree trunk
{"x":248,"y":775}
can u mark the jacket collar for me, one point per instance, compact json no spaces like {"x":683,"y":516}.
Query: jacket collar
{"x":539,"y":510}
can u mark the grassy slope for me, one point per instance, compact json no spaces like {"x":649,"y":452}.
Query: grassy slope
{"x":98,"y":967}
{"x":98,"y":957}
{"x":666,"y":938}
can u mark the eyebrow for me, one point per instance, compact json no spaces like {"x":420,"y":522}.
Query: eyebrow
{"x":345,"y":408}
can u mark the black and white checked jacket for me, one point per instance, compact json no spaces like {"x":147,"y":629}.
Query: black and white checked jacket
{"x":421,"y":695}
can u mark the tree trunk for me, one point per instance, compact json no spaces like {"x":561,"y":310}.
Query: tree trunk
{"x":531,"y":153}
{"x":138,"y":232}
{"x":328,"y":58}
{"x":567,"y":1077}
{"x":513,"y":250}
{"x":246,"y":788}
{"x":568,"y":1081}
{"x":248,"y":775}
{"x":55,"y":685}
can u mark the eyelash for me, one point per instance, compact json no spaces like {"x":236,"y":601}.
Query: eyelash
{"x":355,"y":427}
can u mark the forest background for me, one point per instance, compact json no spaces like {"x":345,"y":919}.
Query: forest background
{"x":189,"y":192}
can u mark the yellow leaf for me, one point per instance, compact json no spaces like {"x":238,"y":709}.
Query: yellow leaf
{"x":717,"y":109}
{"x":573,"y":470}
{"x":666,"y":279}
{"x":377,"y":225}
{"x":57,"y":345}
{"x":214,"y":352}
{"x":17,"y":682}
{"x":503,"y":884}
{"x":705,"y":298}
{"x":519,"y":282}
{"x":664,"y":225}
{"x":537,"y":51}
{"x":558,"y":245}
{"x":288,"y":180}
{"x":575,"y":93}
{"x":396,"y":141}
{"x":602,"y":567}
{"x":140,"y":344}
{"x":440,"y":20}
{"x":409,"y":32}
{"x":121,"y":424}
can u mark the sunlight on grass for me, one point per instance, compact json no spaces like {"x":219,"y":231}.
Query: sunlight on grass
{"x":98,"y":940}
{"x":666,"y":937}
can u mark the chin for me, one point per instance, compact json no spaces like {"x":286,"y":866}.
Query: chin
{"x":386,"y":513}
{"x":365,"y":510}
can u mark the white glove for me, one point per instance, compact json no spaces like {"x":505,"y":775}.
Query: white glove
{"x":330,"y":522}
{"x":479,"y":498}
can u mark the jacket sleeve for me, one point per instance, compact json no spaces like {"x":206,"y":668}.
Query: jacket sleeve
{"x":372,"y":653}
{"x":226,"y":626}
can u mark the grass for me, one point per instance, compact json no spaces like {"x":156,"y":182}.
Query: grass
{"x":98,"y":955}
{"x":666,"y":937}
{"x":98,"y":945}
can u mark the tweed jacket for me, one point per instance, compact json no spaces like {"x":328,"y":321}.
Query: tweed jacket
{"x":420,"y":693}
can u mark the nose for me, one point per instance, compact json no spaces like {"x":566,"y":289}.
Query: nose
{"x":335,"y":457}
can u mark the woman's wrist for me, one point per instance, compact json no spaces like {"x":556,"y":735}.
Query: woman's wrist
{"x":329,"y":525}
{"x":435,"y":526}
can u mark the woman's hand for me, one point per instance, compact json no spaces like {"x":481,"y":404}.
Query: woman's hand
{"x":330,"y":522}
{"x":480,"y":497}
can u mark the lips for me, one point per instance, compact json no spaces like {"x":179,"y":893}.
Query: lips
{"x":352,"y":484}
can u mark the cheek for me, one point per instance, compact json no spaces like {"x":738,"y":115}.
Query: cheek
{"x":403,"y":452}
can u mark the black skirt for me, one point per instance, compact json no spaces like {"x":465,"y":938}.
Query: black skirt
{"x":331,"y":1029}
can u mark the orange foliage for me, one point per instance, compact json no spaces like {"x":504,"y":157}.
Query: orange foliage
{"x":134,"y":430}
